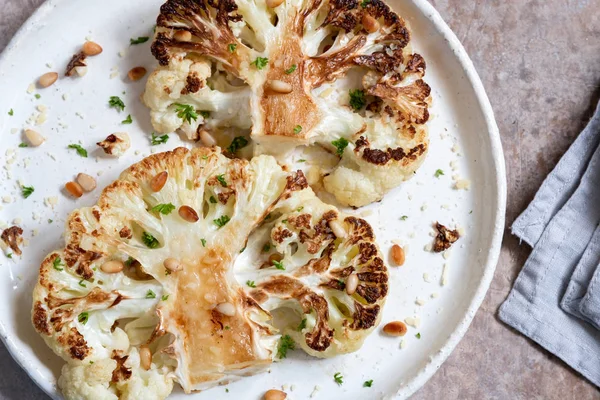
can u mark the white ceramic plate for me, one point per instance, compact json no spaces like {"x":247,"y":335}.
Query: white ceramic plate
{"x":462,"y":131}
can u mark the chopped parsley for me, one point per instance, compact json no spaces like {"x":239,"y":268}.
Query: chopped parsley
{"x":251,"y":284}
{"x":300,"y":208}
{"x":9,"y":255}
{"x":57,"y":263}
{"x":82,"y":283}
{"x":38,"y":96}
{"x":156,"y":140}
{"x":231,"y":47}
{"x":368,"y":383}
{"x":237,"y":143}
{"x":129,"y":261}
{"x":266,"y":247}
{"x":203,"y":241}
{"x":150,"y":294}
{"x":285,"y":343}
{"x":242,"y":250}
{"x":278,"y":264}
{"x":11,"y":112}
{"x":221,"y":179}
{"x":291,"y":69}
{"x":205,"y":114}
{"x":83,"y":317}
{"x":221,"y":221}
{"x":227,"y":328}
{"x":302,"y":160}
{"x":364,"y":3}
{"x":186,"y":112}
{"x":438,"y":173}
{"x":302,"y":325}
{"x":338,"y":378}
{"x":50,"y":221}
{"x":404,"y":218}
{"x":213,"y":200}
{"x":340,"y":146}
{"x":205,"y":157}
{"x":139,"y":40}
{"x":127,"y":120}
{"x":116,"y":102}
{"x":165,"y":209}
{"x":23,"y":145}
{"x":357,"y":99}
{"x":418,"y":335}
{"x":165,"y":297}
{"x":27,"y":191}
{"x":297,"y":129}
{"x":149,"y":240}
{"x":80,"y":150}
{"x":260,"y":62}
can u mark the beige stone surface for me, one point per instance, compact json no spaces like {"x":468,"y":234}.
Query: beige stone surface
{"x":540,"y":63}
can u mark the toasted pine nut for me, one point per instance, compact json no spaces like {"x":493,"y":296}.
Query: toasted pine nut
{"x":275,"y":394}
{"x":81,"y":71}
{"x":74,"y":189}
{"x":207,"y":139}
{"x":337,"y":228}
{"x":183,"y":36}
{"x":226,"y":309}
{"x":395,"y":328}
{"x":398,"y":255}
{"x":369,"y":23}
{"x":34,"y":138}
{"x":351,"y":283}
{"x":145,"y":357}
{"x":87,"y":182}
{"x":172,"y":265}
{"x":280,"y":86}
{"x":275,"y":257}
{"x":91,"y":48}
{"x":274,"y":3}
{"x":111,"y":267}
{"x":136,"y":73}
{"x":157,"y":183}
{"x":48,"y":79}
{"x":188,"y":214}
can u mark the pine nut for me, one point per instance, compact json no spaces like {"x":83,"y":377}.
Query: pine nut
{"x":34,"y":138}
{"x":112,"y":267}
{"x":207,"y":139}
{"x":275,"y":257}
{"x":275,"y":394}
{"x":398,"y":255}
{"x":395,"y":328}
{"x":74,"y":189}
{"x":157,"y":183}
{"x":183,"y":36}
{"x":48,"y":79}
{"x":87,"y":182}
{"x":188,"y":214}
{"x":274,"y":3}
{"x":172,"y":265}
{"x":226,"y":309}
{"x":280,"y":86}
{"x":81,"y":71}
{"x":145,"y":357}
{"x":369,"y":23}
{"x":337,"y":228}
{"x":91,"y":48}
{"x":351,"y":284}
{"x":136,"y":73}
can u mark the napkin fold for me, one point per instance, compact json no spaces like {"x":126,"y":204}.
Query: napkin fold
{"x":556,"y":298}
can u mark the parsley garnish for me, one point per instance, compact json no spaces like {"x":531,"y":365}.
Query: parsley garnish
{"x":127,"y":120}
{"x":203,"y":241}
{"x":357,"y":99}
{"x":251,"y":284}
{"x":297,"y":129}
{"x":23,"y":145}
{"x":11,"y":112}
{"x":149,"y":240}
{"x":291,"y":69}
{"x":213,"y":200}
{"x":364,"y":3}
{"x":438,"y":173}
{"x":221,"y":179}
{"x":338,"y":378}
{"x":242,"y":250}
{"x":139,"y":40}
{"x":165,"y":297}
{"x":83,"y":317}
{"x":231,"y":47}
{"x":116,"y":102}
{"x":285,"y":343}
{"x":205,"y":114}
{"x":27,"y":191}
{"x":186,"y":112}
{"x":300,"y":208}
{"x":418,"y":335}
{"x":150,"y":294}
{"x":165,"y":209}
{"x":57,"y":263}
{"x":260,"y":62}
{"x":37,"y":96}
{"x":9,"y":255}
{"x":302,"y":160}
{"x":237,"y":143}
{"x":340,"y":145}
{"x":404,"y":218}
{"x":156,"y":140}
{"x":368,"y":383}
{"x":129,"y":261}
{"x":227,"y":328}
{"x":82,"y":283}
{"x":221,"y":221}
{"x":302,"y":325}
{"x":49,"y":221}
{"x":80,"y":150}
{"x":278,"y":264}
{"x":266,"y":247}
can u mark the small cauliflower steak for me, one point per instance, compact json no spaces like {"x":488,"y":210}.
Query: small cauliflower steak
{"x":339,"y":74}
{"x":143,"y":296}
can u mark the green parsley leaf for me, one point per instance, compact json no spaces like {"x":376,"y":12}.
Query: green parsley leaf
{"x":9,"y":255}
{"x":129,"y":261}
{"x":83,"y":317}
{"x":205,"y":114}
{"x":80,"y":150}
{"x":139,"y":40}
{"x":127,"y":120}
{"x":278,"y":264}
{"x":357,"y":99}
{"x":164,"y":209}
{"x":251,"y":284}
{"x":291,"y":69}
{"x":368,"y":383}
{"x":203,"y":241}
{"x":27,"y":191}
{"x":237,"y":143}
{"x":302,"y":160}
{"x":338,"y":378}
{"x":186,"y":112}
{"x":150,"y":294}
{"x":116,"y":102}
{"x":404,"y":218}
{"x":285,"y":343}
{"x":300,"y":208}
{"x":227,"y":327}
{"x":340,"y":145}
{"x":242,"y":250}
{"x":221,"y":179}
{"x":57,"y":263}
{"x":364,"y":3}
{"x":302,"y":325}
{"x":164,"y":297}
{"x":260,"y":62}
{"x":213,"y":200}
{"x":221,"y":221}
{"x":297,"y":129}
{"x":266,"y":247}
{"x":231,"y":47}
{"x":11,"y":112}
{"x":438,"y":173}
{"x":149,"y":240}
{"x":156,"y":140}
{"x":38,"y":96}
{"x":50,"y":221}
{"x":82,"y":283}
{"x":418,"y":335}
{"x":23,"y":145}
{"x":205,"y":157}
{"x":226,"y":390}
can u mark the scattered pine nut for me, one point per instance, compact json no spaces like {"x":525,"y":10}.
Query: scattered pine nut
{"x":145,"y":357}
{"x":136,"y":73}
{"x":395,"y":328}
{"x":337,"y":228}
{"x":226,"y":309}
{"x":369,"y":23}
{"x":275,"y":394}
{"x":157,"y":183}
{"x":274,"y":3}
{"x":188,"y":214}
{"x":91,"y":48}
{"x":172,"y":265}
{"x":183,"y":36}
{"x":280,"y":86}
{"x":48,"y":79}
{"x":275,"y":257}
{"x":74,"y":189}
{"x":351,"y":283}
{"x":34,"y":138}
{"x":398,"y":255}
{"x":207,"y":139}
{"x":112,"y":267}
{"x":87,"y":182}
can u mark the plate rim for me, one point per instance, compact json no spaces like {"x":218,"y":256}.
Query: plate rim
{"x":499,"y":169}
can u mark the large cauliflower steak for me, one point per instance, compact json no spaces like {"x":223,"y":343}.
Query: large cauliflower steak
{"x":339,"y":74}
{"x":181,"y":271}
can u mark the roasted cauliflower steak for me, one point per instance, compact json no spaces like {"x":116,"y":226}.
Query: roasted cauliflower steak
{"x":191,"y":267}
{"x":339,"y":74}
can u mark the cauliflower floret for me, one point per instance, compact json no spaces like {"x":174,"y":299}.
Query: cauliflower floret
{"x":116,"y":144}
{"x":309,"y":72}
{"x":88,"y":381}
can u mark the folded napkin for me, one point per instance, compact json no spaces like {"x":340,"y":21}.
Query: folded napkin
{"x":556,"y":297}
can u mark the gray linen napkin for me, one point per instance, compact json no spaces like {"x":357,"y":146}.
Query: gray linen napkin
{"x":561,"y":224}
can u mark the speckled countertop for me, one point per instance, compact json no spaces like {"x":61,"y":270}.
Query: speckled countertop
{"x":540,"y":63}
